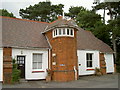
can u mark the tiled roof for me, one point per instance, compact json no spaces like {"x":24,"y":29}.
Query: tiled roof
{"x":23,"y":33}
{"x":28,"y":33}
{"x":87,"y":41}
{"x":60,"y":22}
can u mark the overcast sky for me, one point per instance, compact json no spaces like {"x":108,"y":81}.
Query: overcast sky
{"x":15,"y":5}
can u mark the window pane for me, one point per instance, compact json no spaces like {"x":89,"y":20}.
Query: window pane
{"x":39,"y":65}
{"x":34,"y":65}
{"x":59,"y":31}
{"x":67,"y":31}
{"x":39,"y":58}
{"x":87,"y":56}
{"x":90,"y":56}
{"x":37,"y":61}
{"x":90,"y":63}
{"x":56,"y":31}
{"x":34,"y":58}
{"x":71,"y":32}
{"x":63,"y":31}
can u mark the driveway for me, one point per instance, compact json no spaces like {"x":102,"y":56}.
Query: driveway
{"x":105,"y":81}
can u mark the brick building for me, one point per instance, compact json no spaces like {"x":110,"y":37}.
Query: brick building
{"x":61,"y":46}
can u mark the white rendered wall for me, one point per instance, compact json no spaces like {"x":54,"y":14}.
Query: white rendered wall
{"x":29,"y":75}
{"x":82,"y":60}
{"x":109,"y":63}
{"x":1,"y":64}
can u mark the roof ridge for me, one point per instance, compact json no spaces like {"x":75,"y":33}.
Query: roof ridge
{"x":23,"y":19}
{"x":56,"y":20}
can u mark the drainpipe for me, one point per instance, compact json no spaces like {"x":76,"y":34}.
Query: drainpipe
{"x":49,"y":58}
{"x":75,"y":72}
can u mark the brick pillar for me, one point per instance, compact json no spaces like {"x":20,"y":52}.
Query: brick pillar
{"x":102,"y":63}
{"x":7,"y":65}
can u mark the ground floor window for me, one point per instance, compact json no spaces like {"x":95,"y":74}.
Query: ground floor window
{"x":89,"y":58}
{"x":37,"y":61}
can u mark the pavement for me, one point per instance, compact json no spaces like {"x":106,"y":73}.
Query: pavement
{"x":104,"y":81}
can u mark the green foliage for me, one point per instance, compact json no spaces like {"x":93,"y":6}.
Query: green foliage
{"x":101,"y":31}
{"x":98,"y":71}
{"x":43,"y":11}
{"x":4,"y":12}
{"x":88,"y":19}
{"x":15,"y":72}
{"x":74,"y":11}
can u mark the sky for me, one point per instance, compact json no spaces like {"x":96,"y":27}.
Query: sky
{"x":15,"y":5}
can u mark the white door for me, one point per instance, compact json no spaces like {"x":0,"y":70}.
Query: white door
{"x":109,"y":63}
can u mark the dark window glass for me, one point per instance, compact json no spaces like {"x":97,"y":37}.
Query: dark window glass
{"x":90,"y":56}
{"x":71,"y":32}
{"x":87,"y":56}
{"x":63,"y":31}
{"x":59,"y":31}
{"x":89,"y":59}
{"x":67,"y":31}
{"x":56,"y":32}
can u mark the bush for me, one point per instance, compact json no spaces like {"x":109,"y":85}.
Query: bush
{"x":98,"y":71}
{"x":15,"y":72}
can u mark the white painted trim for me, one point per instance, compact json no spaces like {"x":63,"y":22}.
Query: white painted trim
{"x":49,"y":58}
{"x":62,"y":35}
{"x":48,"y":41}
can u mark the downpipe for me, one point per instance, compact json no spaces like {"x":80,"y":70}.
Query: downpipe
{"x":75,"y":72}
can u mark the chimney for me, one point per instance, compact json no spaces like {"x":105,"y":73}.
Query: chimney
{"x":60,"y":17}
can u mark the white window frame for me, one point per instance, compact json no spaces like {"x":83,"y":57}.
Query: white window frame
{"x":37,"y":62}
{"x":89,"y":60}
{"x":61,"y":35}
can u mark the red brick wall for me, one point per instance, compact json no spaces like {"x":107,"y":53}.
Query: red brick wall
{"x":102,"y":63}
{"x":65,"y":49}
{"x":7,"y":65}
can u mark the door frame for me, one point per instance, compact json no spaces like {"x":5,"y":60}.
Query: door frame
{"x":24,"y":64}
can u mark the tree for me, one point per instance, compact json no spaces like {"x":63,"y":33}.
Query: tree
{"x":113,"y":26}
{"x":87,"y":19}
{"x":101,"y":31}
{"x":114,"y":12}
{"x":73,"y":11}
{"x":43,"y":11}
{"x":4,"y":12}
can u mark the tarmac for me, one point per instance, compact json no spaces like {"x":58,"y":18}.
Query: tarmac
{"x":104,"y":81}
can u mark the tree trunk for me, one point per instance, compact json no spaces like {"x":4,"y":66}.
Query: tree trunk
{"x":113,"y":36}
{"x":104,"y":16}
{"x":114,"y":47}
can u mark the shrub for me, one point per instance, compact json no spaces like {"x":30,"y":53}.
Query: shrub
{"x":98,"y":71}
{"x":15,"y":72}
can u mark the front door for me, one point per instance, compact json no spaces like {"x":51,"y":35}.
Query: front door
{"x":21,"y":65}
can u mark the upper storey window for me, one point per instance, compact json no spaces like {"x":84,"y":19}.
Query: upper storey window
{"x":63,"y":32}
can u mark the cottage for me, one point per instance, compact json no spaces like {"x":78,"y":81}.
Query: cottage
{"x":61,"y":46}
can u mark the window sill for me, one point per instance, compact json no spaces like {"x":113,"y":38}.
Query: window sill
{"x":37,"y":71}
{"x":90,"y":69}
